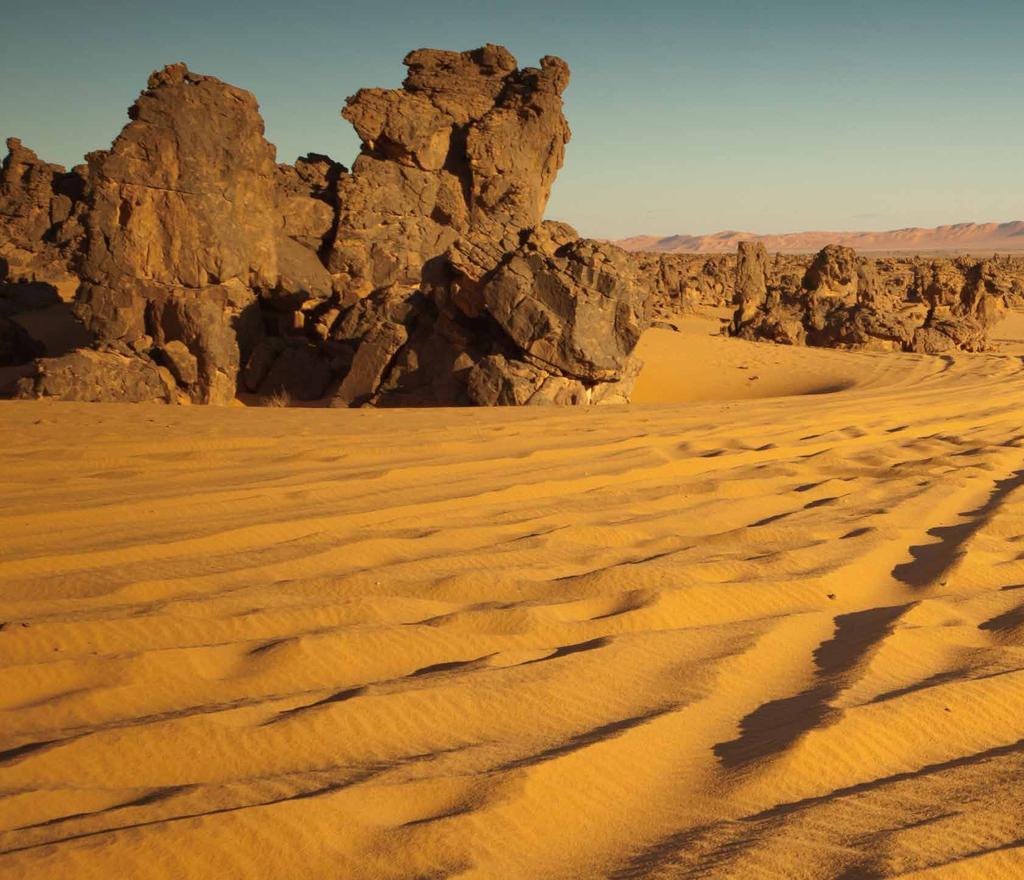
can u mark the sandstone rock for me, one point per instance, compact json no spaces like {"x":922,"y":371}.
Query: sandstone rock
{"x":965,"y":297}
{"x":372,"y":357}
{"x":35,"y":197}
{"x":842,"y":301}
{"x":617,"y":393}
{"x":751,"y":281}
{"x":184,"y":197}
{"x":218,"y":325}
{"x":940,"y":336}
{"x":497,"y":381}
{"x":259,"y":362}
{"x":424,"y":271}
{"x":837,"y":272}
{"x":460,"y":158}
{"x":298,"y":371}
{"x":99,"y":377}
{"x":307,"y":198}
{"x":184,"y":365}
{"x":574,"y":308}
{"x":182,"y":223}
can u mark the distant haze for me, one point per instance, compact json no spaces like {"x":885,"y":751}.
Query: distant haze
{"x":960,"y":237}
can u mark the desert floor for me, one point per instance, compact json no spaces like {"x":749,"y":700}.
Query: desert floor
{"x":728,"y":634}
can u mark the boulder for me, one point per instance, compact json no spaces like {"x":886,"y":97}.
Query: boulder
{"x":184,"y":365}
{"x":570,"y":305}
{"x":374,"y":353}
{"x":99,"y":377}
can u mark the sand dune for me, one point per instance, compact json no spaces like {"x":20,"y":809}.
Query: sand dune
{"x":748,"y":637}
{"x":957,"y":237}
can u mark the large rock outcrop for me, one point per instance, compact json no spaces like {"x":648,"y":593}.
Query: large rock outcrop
{"x":409,"y":280}
{"x":181,"y":231}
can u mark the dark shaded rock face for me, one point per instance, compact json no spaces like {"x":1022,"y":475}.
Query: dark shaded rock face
{"x":572,"y":306}
{"x":101,"y":377}
{"x":206,"y":268}
{"x":847,"y":301}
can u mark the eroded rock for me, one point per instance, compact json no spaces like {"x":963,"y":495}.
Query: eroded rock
{"x":461,"y":158}
{"x":99,"y":377}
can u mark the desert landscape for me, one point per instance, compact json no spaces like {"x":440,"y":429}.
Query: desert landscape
{"x":714,"y":640}
{"x":369,"y":523}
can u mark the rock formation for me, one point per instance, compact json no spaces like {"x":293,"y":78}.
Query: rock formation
{"x":201,"y":269}
{"x":461,"y":158}
{"x":846,"y":301}
{"x":36,"y":197}
{"x":181,"y":233}
{"x":425,"y":275}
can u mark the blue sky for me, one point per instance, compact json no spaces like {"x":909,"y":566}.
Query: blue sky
{"x":687,"y":117}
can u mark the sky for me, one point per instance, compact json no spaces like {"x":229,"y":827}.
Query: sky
{"x":687,"y":117}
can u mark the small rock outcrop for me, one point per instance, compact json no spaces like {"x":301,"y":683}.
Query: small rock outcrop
{"x":181,"y":232}
{"x":847,"y":301}
{"x":36,"y":197}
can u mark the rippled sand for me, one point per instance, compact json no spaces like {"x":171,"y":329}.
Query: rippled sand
{"x":760,"y":637}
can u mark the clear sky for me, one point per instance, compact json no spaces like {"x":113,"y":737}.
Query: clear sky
{"x":687,"y":117}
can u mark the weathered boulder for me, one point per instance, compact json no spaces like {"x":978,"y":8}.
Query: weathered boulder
{"x":375,"y":352}
{"x":184,"y":365}
{"x":99,"y":377}
{"x":572,"y":306}
{"x":497,"y":381}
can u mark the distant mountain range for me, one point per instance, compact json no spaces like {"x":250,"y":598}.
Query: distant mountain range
{"x":965,"y":237}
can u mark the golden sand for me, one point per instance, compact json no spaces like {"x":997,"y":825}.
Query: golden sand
{"x":764,"y":637}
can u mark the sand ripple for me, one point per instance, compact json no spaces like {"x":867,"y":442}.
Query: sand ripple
{"x":780,"y":637}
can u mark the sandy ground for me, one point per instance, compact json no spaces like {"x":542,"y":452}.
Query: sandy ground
{"x":766,"y":637}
